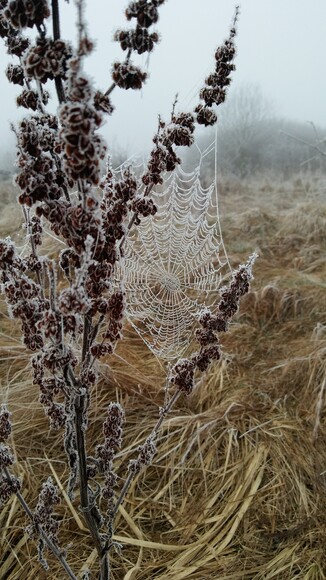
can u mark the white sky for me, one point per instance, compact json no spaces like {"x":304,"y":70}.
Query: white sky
{"x":281,"y":46}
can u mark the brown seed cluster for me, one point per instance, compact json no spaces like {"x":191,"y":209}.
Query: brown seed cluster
{"x":214,"y":91}
{"x":49,"y":373}
{"x":112,"y":431}
{"x":43,"y":513}
{"x":4,"y":24}
{"x":16,"y":44}
{"x":183,"y":373}
{"x":26,"y":13}
{"x":105,"y":452}
{"x":43,"y":516}
{"x":68,"y":221}
{"x":163,"y":157}
{"x":5,"y":423}
{"x":82,"y":149}
{"x":103,"y":103}
{"x":139,"y":40}
{"x":10,"y":485}
{"x":40,"y":177}
{"x":36,"y":230}
{"x":144,"y":207}
{"x":15,"y":74}
{"x":23,"y":295}
{"x":31,"y":100}
{"x":47,"y":59}
{"x":145,"y":457}
{"x":115,"y":311}
{"x":146,"y":12}
{"x":118,"y":196}
{"x":6,"y":457}
{"x":127,"y":76}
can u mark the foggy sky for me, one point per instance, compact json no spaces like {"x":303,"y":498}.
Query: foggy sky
{"x":281,"y":46}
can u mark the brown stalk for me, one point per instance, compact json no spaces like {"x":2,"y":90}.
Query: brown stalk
{"x":56,"y":35}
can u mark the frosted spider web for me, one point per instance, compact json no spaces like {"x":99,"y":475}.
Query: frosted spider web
{"x":174,"y":261}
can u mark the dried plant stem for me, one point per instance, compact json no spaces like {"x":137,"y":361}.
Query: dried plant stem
{"x":56,"y":36}
{"x":319,"y":406}
{"x":55,"y":19}
{"x":92,"y":524}
{"x":42,"y":533}
{"x":80,"y":410}
{"x":164,"y":411}
{"x":133,"y":218}
{"x":87,"y":334}
{"x":33,"y":247}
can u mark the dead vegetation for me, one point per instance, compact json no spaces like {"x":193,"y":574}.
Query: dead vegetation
{"x":238,"y":488}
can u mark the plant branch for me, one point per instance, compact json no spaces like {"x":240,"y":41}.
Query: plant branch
{"x":133,"y":217}
{"x":33,"y":248}
{"x":163,"y":412}
{"x":312,"y":145}
{"x":80,"y":403}
{"x":55,"y":19}
{"x":56,"y":35}
{"x":54,"y":549}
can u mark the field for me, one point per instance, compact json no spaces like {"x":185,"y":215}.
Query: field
{"x":238,"y":488}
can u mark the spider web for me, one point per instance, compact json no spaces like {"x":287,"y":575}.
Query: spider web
{"x":174,"y":261}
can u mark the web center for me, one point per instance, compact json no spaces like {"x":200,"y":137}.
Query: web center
{"x":170,"y":282}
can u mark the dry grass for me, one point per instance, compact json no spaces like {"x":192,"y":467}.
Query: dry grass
{"x":238,"y":488}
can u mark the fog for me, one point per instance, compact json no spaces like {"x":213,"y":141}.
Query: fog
{"x":280,"y":47}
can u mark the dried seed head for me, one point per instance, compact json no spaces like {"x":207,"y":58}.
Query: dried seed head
{"x":6,"y":457}
{"x":17,"y":45}
{"x":110,"y":483}
{"x":15,"y":74}
{"x":138,"y":40}
{"x":47,"y":59}
{"x":83,"y":150}
{"x":112,"y":430}
{"x":182,"y":375}
{"x":214,"y":91}
{"x":43,"y":514}
{"x":145,"y":457}
{"x":5,"y":423}
{"x":8,"y":487}
{"x":31,"y":100}
{"x":145,"y":12}
{"x":102,"y":103}
{"x":27,"y":13}
{"x":206,"y":356}
{"x":128,"y":76}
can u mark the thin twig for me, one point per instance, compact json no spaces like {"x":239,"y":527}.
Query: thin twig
{"x":300,"y":140}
